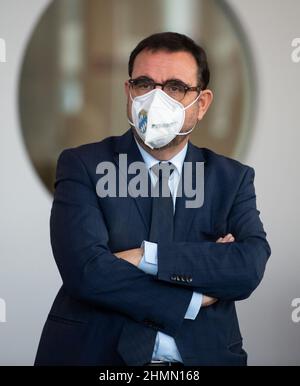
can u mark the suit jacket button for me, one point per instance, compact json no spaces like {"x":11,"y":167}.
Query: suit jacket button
{"x":189,"y":279}
{"x":174,"y":277}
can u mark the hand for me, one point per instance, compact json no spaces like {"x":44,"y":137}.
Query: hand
{"x":133,"y":256}
{"x":226,"y":239}
{"x":207,"y":300}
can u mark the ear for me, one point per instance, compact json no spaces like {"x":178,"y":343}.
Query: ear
{"x":205,"y":101}
{"x":126,"y":88}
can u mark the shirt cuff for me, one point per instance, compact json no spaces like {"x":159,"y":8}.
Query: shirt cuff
{"x":148,"y":263}
{"x":194,"y":306}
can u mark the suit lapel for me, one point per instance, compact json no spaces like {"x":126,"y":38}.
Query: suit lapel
{"x":127,"y":145}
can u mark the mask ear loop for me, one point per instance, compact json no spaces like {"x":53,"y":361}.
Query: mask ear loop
{"x":188,"y":132}
{"x":191,"y":104}
{"x":129,"y":121}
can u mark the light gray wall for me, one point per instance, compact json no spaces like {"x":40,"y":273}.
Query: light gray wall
{"x":28,"y":276}
{"x":270,"y":335}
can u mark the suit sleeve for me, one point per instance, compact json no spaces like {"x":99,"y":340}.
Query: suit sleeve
{"x":229,"y":271}
{"x":90,"y":271}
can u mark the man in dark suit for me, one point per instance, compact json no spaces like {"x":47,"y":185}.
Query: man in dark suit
{"x":148,"y":280}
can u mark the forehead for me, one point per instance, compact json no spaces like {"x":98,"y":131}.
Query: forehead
{"x":163,"y":65}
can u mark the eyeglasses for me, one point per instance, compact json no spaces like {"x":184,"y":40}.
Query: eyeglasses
{"x":174,"y":88}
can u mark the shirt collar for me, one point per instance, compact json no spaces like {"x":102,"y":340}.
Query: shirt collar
{"x":150,"y":161}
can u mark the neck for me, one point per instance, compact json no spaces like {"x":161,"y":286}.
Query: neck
{"x":165,"y":153}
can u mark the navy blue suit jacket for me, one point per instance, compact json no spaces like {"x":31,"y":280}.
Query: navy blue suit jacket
{"x":102,"y":294}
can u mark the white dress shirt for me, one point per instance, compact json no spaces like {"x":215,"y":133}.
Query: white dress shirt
{"x":165,"y":348}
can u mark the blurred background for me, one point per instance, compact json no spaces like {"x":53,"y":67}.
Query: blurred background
{"x":75,"y":65}
{"x":63,"y":85}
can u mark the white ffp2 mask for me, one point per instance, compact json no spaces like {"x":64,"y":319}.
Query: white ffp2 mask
{"x":158,"y":118}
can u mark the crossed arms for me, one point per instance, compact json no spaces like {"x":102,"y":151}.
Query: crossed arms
{"x":134,"y":256}
{"x":92,"y":273}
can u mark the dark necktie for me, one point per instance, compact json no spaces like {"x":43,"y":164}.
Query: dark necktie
{"x":162,"y":219}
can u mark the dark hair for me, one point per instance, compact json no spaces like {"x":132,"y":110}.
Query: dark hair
{"x":174,"y":42}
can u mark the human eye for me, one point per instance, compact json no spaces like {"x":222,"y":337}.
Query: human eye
{"x":143,"y":84}
{"x":174,"y":87}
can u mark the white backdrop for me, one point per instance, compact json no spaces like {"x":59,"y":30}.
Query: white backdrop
{"x":28,"y":276}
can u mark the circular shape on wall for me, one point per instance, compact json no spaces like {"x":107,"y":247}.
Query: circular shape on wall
{"x":71,"y":88}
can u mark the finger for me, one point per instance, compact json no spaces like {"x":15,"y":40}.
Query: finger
{"x":229,"y":238}
{"x":224,"y":239}
{"x":219,"y":240}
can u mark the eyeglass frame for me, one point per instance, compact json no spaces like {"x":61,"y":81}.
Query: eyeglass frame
{"x":155,"y":84}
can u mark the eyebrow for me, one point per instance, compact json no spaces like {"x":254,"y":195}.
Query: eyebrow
{"x":171,"y":79}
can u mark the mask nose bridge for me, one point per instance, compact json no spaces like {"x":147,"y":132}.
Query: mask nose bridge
{"x":158,"y":84}
{"x":157,"y":94}
{"x":152,"y":92}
